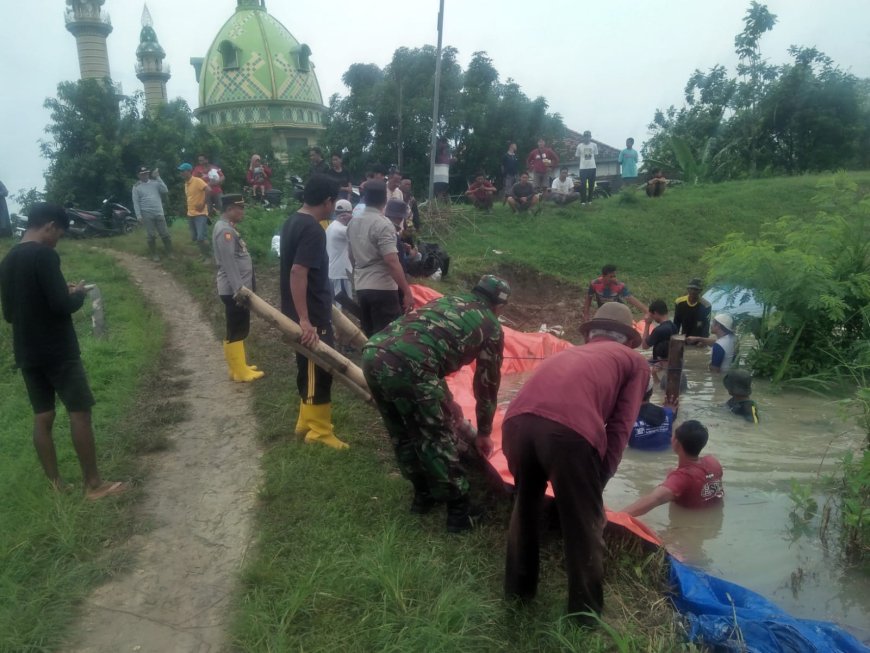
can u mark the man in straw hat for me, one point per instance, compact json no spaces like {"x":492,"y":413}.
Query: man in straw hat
{"x":234,"y":270}
{"x":405,"y":365}
{"x":569,"y":424}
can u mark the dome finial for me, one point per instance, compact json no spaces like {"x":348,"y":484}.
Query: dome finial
{"x":146,"y":17}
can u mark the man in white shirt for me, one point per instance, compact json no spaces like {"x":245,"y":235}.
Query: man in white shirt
{"x":562,"y":190}
{"x":337,"y":249}
{"x":586,"y":152}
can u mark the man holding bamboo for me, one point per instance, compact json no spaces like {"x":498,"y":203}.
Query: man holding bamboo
{"x":306,"y":297}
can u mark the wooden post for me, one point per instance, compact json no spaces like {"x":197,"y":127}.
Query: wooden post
{"x":322,"y":355}
{"x":98,"y":314}
{"x":675,"y":368}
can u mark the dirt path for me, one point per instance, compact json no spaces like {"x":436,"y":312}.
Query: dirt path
{"x":199,"y":502}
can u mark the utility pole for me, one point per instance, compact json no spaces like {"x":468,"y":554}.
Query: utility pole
{"x":435,"y":103}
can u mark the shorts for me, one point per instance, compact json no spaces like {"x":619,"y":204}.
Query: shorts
{"x":67,"y":380}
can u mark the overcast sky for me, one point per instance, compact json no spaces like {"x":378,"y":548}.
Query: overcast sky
{"x":605,"y":66}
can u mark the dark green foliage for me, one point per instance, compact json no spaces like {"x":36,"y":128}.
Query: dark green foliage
{"x":99,"y":139}
{"x":804,"y":116}
{"x":386,"y":116}
{"x":816,"y":273}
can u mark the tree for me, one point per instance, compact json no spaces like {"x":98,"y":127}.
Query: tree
{"x":814,"y":277}
{"x":386,"y":115}
{"x":85,"y":151}
{"x":100,"y":139}
{"x":803,"y":116}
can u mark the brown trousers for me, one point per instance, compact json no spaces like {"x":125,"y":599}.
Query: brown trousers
{"x":537,"y":450}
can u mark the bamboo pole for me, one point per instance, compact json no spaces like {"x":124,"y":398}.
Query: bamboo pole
{"x":347,"y":331}
{"x":676,"y":348}
{"x":322,"y":354}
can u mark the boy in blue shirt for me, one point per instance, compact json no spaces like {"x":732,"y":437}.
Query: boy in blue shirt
{"x":628,"y":160}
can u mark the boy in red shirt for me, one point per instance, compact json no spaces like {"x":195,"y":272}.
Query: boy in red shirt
{"x":695,"y":483}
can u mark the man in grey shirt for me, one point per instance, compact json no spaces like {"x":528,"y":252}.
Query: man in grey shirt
{"x":148,"y":207}
{"x":378,"y":274}
{"x":234,"y":270}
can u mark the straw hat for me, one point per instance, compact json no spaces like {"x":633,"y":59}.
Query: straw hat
{"x":613,"y":316}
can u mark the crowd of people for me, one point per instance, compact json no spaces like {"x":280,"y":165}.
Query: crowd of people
{"x":578,"y":410}
{"x":527,"y":188}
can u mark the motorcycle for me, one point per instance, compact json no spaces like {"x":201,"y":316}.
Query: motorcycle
{"x":112,"y":219}
{"x":19,"y":225}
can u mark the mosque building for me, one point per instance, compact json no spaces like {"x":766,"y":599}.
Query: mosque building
{"x":257,"y":74}
{"x":254,"y":74}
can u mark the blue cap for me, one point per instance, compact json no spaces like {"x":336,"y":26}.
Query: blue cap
{"x":185,"y":166}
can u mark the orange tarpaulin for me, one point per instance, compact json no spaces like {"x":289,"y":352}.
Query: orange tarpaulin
{"x":522,"y":353}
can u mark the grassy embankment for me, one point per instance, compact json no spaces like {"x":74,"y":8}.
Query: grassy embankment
{"x":338,"y":563}
{"x":54,"y":548}
{"x":656,"y":243}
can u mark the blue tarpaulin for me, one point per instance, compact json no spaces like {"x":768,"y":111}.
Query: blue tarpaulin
{"x":728,"y":617}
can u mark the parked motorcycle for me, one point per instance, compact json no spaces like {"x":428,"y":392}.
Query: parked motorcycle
{"x":112,"y":219}
{"x":19,"y":225}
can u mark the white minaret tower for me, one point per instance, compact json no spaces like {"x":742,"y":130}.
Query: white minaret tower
{"x":91,"y":26}
{"x":149,"y":67}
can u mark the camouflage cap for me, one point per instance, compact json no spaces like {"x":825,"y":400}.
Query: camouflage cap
{"x":493,"y":288}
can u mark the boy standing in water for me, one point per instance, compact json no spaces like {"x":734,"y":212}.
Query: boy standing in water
{"x":695,"y":483}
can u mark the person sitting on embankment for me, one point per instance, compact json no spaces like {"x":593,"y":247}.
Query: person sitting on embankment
{"x":695,"y":483}
{"x":738,"y":383}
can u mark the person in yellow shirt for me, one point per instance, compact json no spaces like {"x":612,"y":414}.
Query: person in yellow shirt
{"x":196,"y":191}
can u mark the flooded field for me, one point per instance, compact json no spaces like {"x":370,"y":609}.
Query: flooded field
{"x":748,"y":541}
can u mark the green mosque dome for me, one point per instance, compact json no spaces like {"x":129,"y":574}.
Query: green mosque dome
{"x":257,"y":74}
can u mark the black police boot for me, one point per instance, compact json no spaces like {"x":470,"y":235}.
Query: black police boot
{"x":423,"y":501}
{"x":462,"y":516}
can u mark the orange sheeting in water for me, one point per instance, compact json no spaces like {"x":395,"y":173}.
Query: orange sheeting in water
{"x":522,"y":352}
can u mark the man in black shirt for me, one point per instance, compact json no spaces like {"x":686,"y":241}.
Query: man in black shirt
{"x":523,"y":195}
{"x":660,"y":337}
{"x":306,"y":297}
{"x":692,"y":312}
{"x":317,"y":166}
{"x":39,"y":304}
{"x":341,"y":175}
{"x":510,"y":168}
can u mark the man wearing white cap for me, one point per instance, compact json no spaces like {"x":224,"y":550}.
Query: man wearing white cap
{"x":723,"y":340}
{"x":340,"y":267}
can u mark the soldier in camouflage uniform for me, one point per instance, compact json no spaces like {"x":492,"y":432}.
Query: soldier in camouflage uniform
{"x":234,"y":270}
{"x":405,"y":365}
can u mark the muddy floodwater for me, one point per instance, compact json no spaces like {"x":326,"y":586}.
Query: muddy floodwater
{"x":748,"y":540}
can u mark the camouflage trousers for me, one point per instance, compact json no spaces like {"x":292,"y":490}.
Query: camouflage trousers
{"x":414,"y":406}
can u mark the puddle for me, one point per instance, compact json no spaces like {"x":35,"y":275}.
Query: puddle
{"x":748,"y":542}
